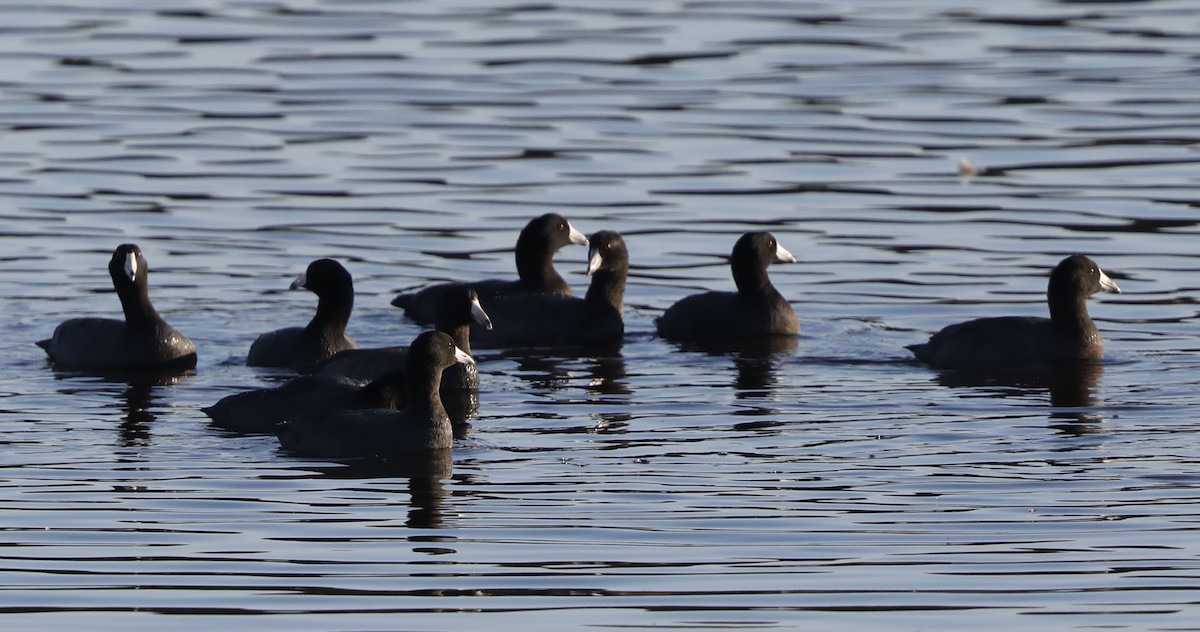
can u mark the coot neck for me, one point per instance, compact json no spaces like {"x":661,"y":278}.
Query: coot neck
{"x":135,"y":302}
{"x":1068,"y":311}
{"x":423,"y":380}
{"x":535,"y":266}
{"x":607,"y":288}
{"x":333,"y":313}
{"x":752,"y":280}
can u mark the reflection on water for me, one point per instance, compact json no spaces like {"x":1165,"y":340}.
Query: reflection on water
{"x":607,"y":374}
{"x":601,"y":370}
{"x":1070,"y":385}
{"x":141,"y":391}
{"x":425,"y":475}
{"x":756,"y":361}
{"x":135,"y":427}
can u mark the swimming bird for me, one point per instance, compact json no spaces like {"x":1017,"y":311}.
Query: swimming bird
{"x":261,"y":409}
{"x":458,"y":308}
{"x":423,"y":425}
{"x":143,"y":341}
{"x":539,"y":240}
{"x":1018,"y":341}
{"x":325,"y":334}
{"x":554,"y":320}
{"x":755,"y":309}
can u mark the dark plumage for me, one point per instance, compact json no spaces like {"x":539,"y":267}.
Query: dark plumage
{"x":756,"y":309}
{"x":325,"y":334}
{"x":422,"y":426}
{"x":1016,"y":341}
{"x":539,"y":240}
{"x":143,"y":341}
{"x":458,"y":308}
{"x":260,"y":410}
{"x":556,"y":320}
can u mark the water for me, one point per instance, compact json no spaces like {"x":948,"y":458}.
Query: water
{"x":830,"y":484}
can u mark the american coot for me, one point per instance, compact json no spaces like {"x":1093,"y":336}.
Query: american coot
{"x":458,"y":308}
{"x":422,"y":426}
{"x":143,"y":341}
{"x":1016,"y":341}
{"x":539,"y":240}
{"x":260,"y":410}
{"x":556,"y":320}
{"x":325,"y":335}
{"x":756,"y":309}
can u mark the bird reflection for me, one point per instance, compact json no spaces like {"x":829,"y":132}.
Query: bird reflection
{"x":425,"y":472}
{"x":135,"y":426}
{"x":543,"y":373}
{"x":601,"y":370}
{"x":605,"y":366}
{"x":1071,"y":386}
{"x":136,"y":400}
{"x":608,"y":375}
{"x":757,"y":362}
{"x":425,"y":497}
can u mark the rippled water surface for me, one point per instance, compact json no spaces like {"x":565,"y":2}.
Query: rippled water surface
{"x":832,"y":484}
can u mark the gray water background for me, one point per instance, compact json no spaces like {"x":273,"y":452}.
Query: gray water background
{"x":835,"y":484}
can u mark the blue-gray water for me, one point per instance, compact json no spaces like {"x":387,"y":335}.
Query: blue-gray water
{"x":835,"y":484}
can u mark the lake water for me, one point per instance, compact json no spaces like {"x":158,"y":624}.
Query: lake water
{"x":833,"y":485}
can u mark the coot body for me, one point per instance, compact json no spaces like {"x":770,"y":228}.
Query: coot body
{"x":143,"y":341}
{"x":422,"y":427}
{"x":539,"y":240}
{"x":756,"y":309}
{"x":459,"y":307}
{"x":325,"y":334}
{"x":548,"y":320}
{"x":260,"y":410}
{"x":1022,"y":341}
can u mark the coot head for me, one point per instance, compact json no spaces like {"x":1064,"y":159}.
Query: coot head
{"x":459,"y":306}
{"x":751,"y":255}
{"x":429,"y":354}
{"x":128,"y":266}
{"x":606,"y":250}
{"x":131,"y":279}
{"x":324,"y":277}
{"x":549,"y":232}
{"x":1076,"y":278}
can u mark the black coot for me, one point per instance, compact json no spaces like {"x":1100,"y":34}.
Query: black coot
{"x":756,"y":309}
{"x":1021,"y":341}
{"x":143,"y":341}
{"x":555,"y":320}
{"x":458,"y":309}
{"x":260,"y":410}
{"x":422,"y":426}
{"x":325,"y":334}
{"x":539,"y":240}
